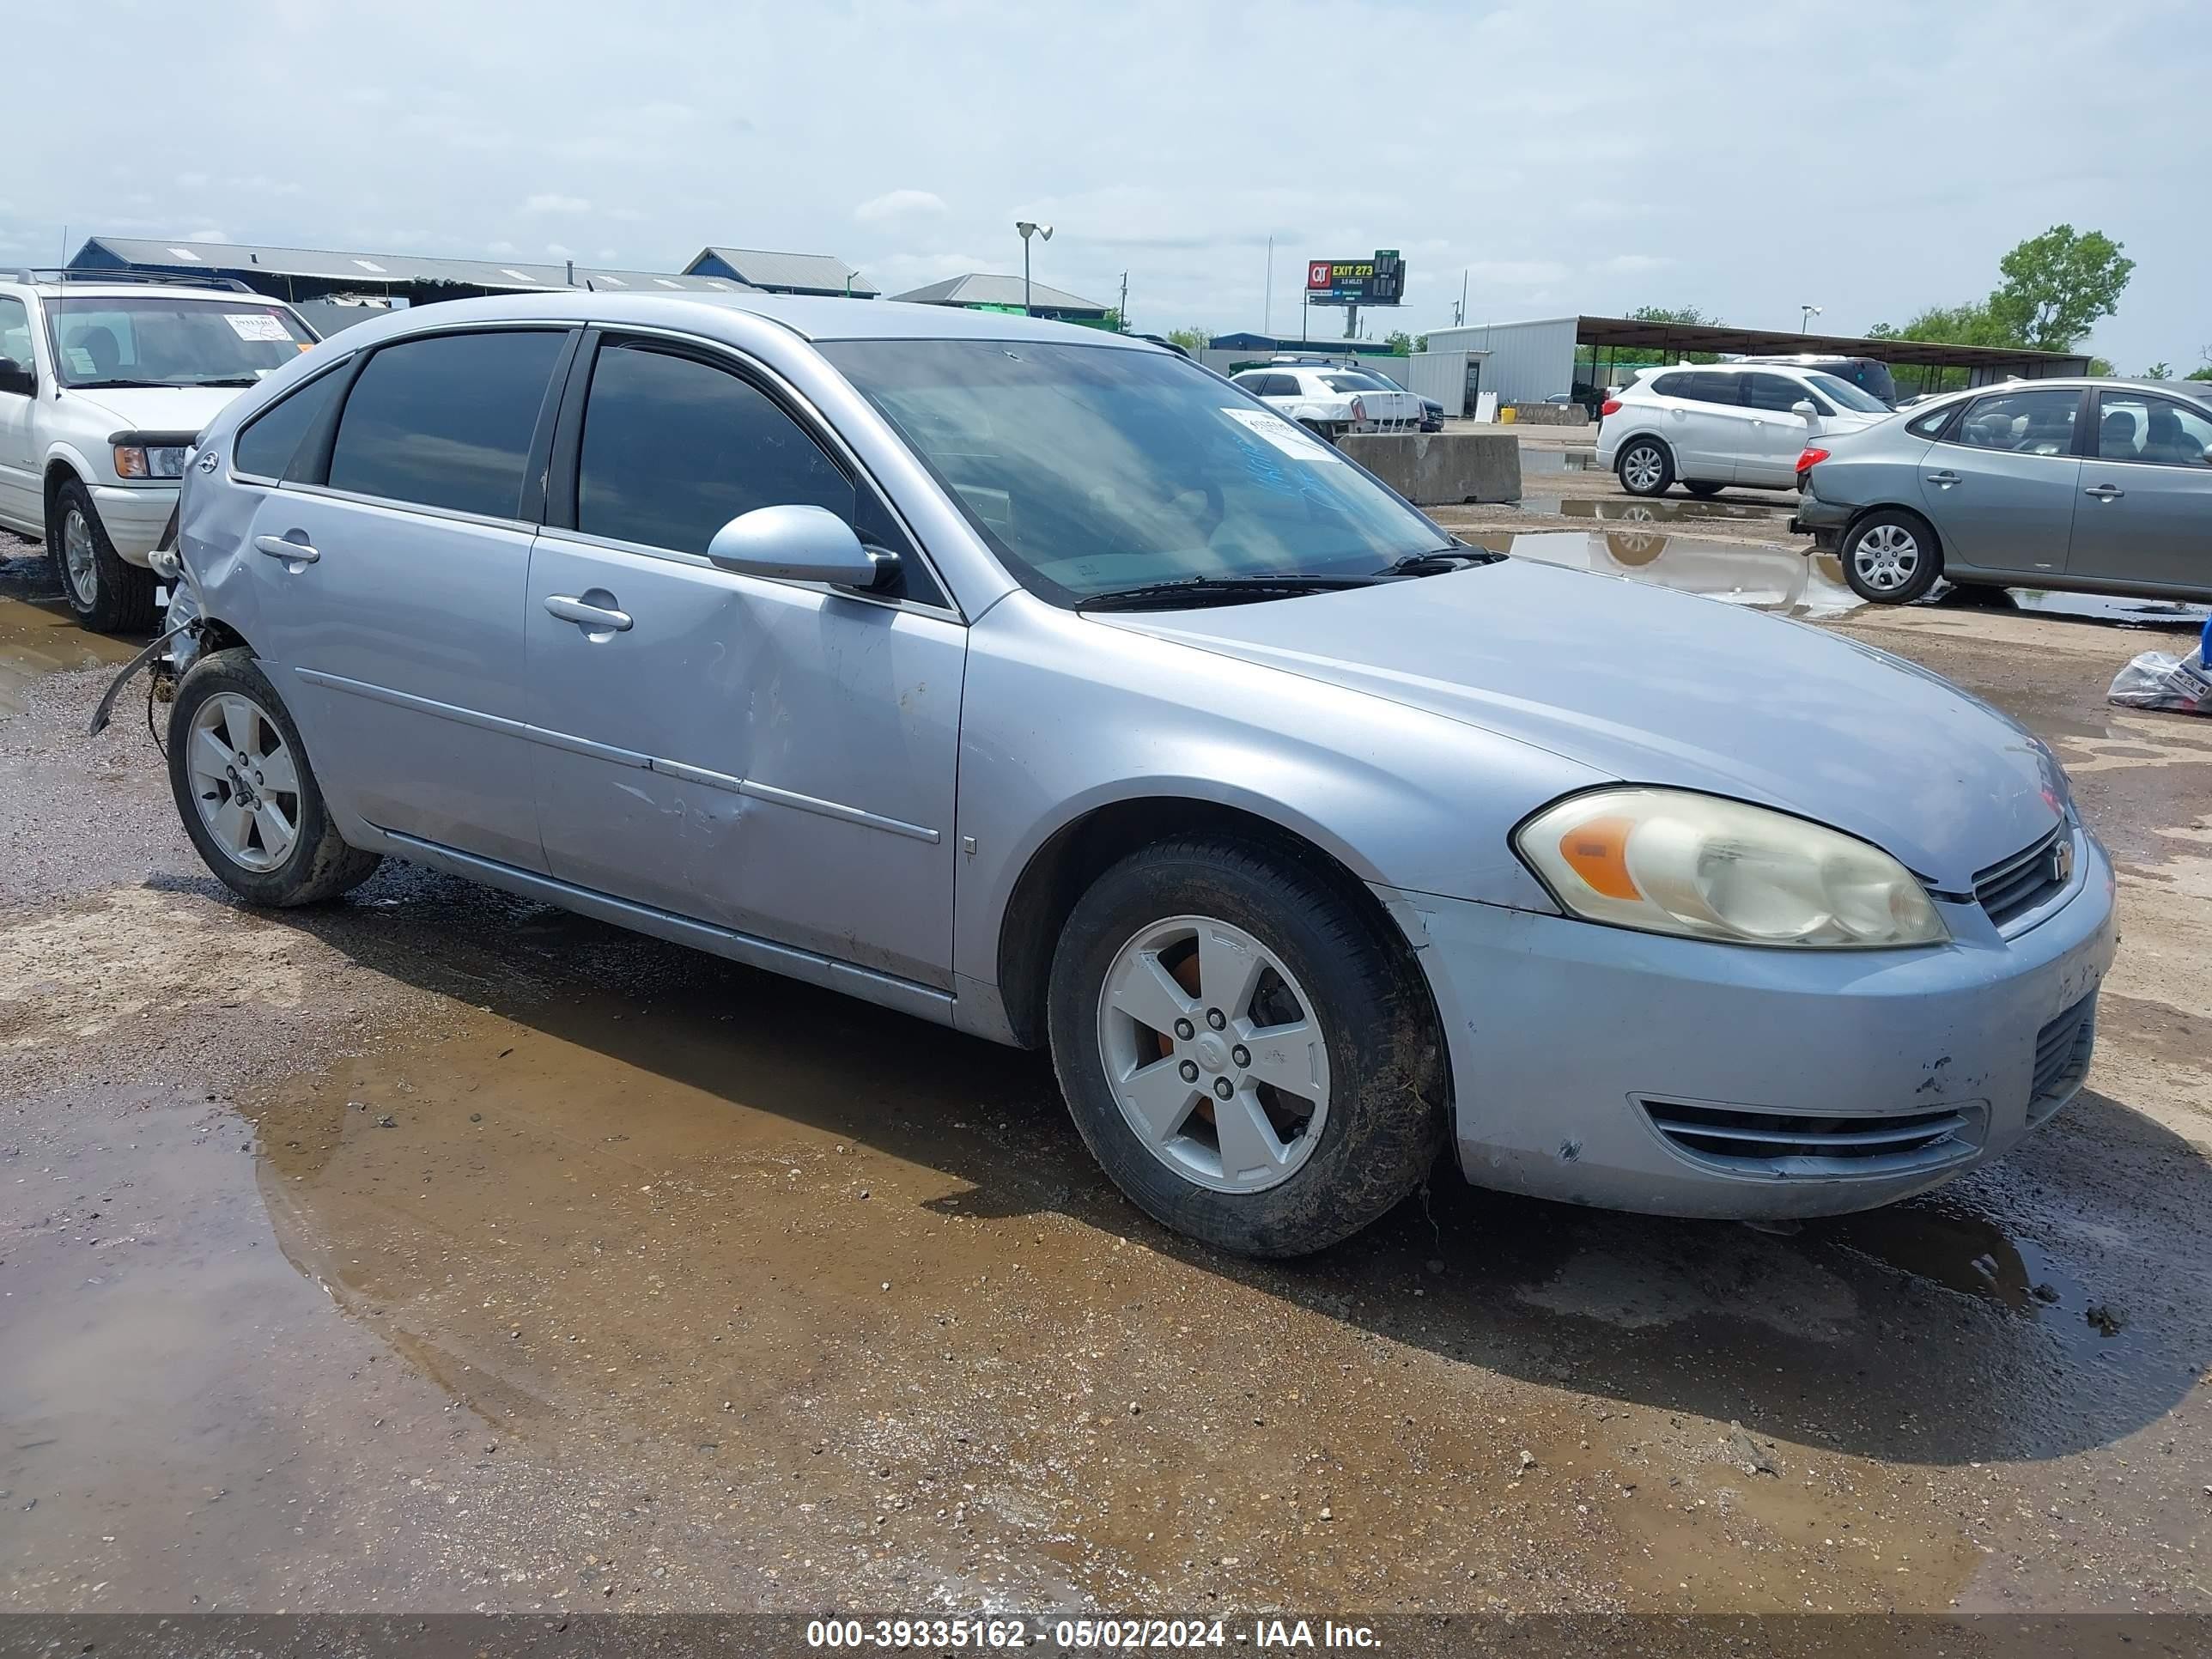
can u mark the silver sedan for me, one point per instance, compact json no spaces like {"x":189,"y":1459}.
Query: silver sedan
{"x":2098,"y":486}
{"x":1037,"y":682}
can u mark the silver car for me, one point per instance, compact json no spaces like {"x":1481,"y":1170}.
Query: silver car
{"x":1040,"y":684}
{"x":2097,"y":486}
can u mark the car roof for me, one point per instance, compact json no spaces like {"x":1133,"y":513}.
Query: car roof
{"x":179,"y":289}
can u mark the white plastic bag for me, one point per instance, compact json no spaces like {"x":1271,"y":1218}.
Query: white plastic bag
{"x":2155,"y":680}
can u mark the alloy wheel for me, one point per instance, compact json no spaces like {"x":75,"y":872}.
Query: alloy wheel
{"x":245,"y":781}
{"x":78,"y":557}
{"x":1643,"y":468}
{"x":1885,"y":556}
{"x":1213,"y":1051}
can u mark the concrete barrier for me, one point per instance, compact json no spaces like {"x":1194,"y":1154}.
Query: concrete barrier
{"x":1549,"y":414}
{"x":1441,"y":468}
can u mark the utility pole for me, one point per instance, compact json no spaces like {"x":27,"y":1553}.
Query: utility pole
{"x":1459,"y":310}
{"x":1124,"y":313}
{"x":1268,"y":295}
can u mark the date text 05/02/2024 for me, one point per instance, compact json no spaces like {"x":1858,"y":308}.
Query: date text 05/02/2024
{"x":1086,"y":1634}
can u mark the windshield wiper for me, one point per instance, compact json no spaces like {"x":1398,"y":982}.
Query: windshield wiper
{"x":225,"y":380}
{"x":1200,"y":590}
{"x":1439,"y":560}
{"x":102,"y":385}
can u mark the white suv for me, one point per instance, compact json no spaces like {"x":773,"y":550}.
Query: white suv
{"x":1329,"y":401}
{"x":1709,"y":426}
{"x":104,"y":384}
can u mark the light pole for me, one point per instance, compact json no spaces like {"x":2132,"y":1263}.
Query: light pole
{"x":1805,"y":315}
{"x":1029,"y":230}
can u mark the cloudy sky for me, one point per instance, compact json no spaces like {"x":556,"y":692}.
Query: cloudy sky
{"x":1870,"y":156}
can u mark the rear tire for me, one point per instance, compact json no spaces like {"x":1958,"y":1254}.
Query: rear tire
{"x":106,"y":593}
{"x":1330,"y":1012}
{"x":1701,"y":489}
{"x":1891,"y":556}
{"x":248,"y":799}
{"x":1645,"y":466}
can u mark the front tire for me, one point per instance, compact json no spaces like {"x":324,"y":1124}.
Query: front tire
{"x":1702,"y":488}
{"x":106,"y":593}
{"x":1891,"y":556}
{"x":248,"y":799}
{"x":1242,"y":1050}
{"x":1645,"y":466}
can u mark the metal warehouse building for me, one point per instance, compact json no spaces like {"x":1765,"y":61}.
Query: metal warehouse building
{"x":1548,"y":357}
{"x":784,"y":273}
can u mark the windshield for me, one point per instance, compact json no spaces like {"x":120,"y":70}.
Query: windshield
{"x":1843,"y":392}
{"x":160,"y":339}
{"x":1356,"y":382}
{"x":1092,"y":469}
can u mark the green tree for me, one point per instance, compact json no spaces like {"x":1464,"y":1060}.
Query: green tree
{"x":1970,"y":324}
{"x":1635,"y":356}
{"x":2056,"y":287}
{"x":2159,"y":371}
{"x":2204,"y":373}
{"x":1190,"y":339}
{"x":1400,"y":341}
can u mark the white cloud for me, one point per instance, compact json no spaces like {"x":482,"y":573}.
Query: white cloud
{"x":560,"y":250}
{"x":898,"y":204}
{"x":1631,"y":264}
{"x":205,"y":236}
{"x":501,"y":249}
{"x":192,"y":181}
{"x":549,"y":202}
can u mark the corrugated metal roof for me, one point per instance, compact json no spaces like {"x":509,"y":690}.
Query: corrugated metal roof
{"x":371,"y":271}
{"x":815,"y":273}
{"x":980,"y":288}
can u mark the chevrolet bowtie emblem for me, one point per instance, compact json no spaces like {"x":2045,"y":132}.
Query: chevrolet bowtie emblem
{"x":2062,"y":862}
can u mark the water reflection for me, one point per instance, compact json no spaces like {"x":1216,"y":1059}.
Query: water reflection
{"x":1778,"y":579}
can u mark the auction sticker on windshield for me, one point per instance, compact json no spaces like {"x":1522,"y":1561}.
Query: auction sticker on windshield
{"x":257,"y":325}
{"x":1290,"y":439}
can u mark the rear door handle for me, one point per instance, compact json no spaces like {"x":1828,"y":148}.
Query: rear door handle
{"x":279,"y":547}
{"x":2105,"y":492}
{"x":588,"y":616}
{"x":1943,"y":480}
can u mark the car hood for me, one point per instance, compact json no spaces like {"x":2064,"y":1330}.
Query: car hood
{"x":161,"y":408}
{"x":1656,"y":687}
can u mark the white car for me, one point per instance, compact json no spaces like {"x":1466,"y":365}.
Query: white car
{"x":1329,"y":401}
{"x":103,"y":387}
{"x":1707,"y":426}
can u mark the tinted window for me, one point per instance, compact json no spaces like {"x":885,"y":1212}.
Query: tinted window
{"x":1932,"y":423}
{"x":2024,"y":422}
{"x":2156,"y":430}
{"x":1779,"y":392}
{"x":1671,"y":386}
{"x":266,"y":444}
{"x":675,"y":448}
{"x":15,"y":334}
{"x":1709,"y":388}
{"x":447,"y":422}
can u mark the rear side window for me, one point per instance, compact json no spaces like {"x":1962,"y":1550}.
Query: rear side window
{"x":1932,"y":424}
{"x":1709,"y":388}
{"x":267,"y":443}
{"x":447,"y":422}
{"x":2023,"y":422}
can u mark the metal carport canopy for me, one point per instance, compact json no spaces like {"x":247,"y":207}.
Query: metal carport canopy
{"x":1622,"y":332}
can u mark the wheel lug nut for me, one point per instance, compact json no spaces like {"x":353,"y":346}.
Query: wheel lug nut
{"x":1185,"y":1030}
{"x":1241,"y":1054}
{"x":1216,"y":1018}
{"x":1224,"y":1087}
{"x":1190,"y":1070}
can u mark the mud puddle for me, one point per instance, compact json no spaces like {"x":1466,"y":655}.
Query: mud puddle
{"x":41,"y":639}
{"x":1541,"y":461}
{"x":1778,"y":579}
{"x":1693,"y":511}
{"x":2132,"y":613}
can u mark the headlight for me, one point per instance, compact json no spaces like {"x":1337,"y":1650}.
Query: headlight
{"x":167,"y":461}
{"x":1668,"y":862}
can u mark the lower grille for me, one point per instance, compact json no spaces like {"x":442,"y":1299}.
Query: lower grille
{"x":2062,"y":1057}
{"x":1771,"y":1144}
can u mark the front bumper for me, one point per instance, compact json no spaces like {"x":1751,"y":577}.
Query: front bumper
{"x":1579,"y":1052}
{"x":135,"y":518}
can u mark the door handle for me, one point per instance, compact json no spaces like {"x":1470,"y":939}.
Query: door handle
{"x":277,"y":547}
{"x":1943,"y":480}
{"x":2105,"y":492}
{"x":588,"y":616}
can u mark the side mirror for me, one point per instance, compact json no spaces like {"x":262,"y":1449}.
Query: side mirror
{"x":16,"y":378}
{"x":799,"y":544}
{"x":1805,"y":410}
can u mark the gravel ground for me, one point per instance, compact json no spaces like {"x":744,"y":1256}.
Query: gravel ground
{"x":438,"y":1251}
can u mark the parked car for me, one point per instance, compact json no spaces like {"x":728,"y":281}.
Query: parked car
{"x":1869,"y":374}
{"x":103,"y":385}
{"x":1033,"y":681}
{"x":1723,"y":424}
{"x":2096,"y":486}
{"x":1329,"y":401}
{"x":1433,"y":412}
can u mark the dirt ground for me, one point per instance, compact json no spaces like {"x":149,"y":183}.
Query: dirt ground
{"x":439,"y":1251}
